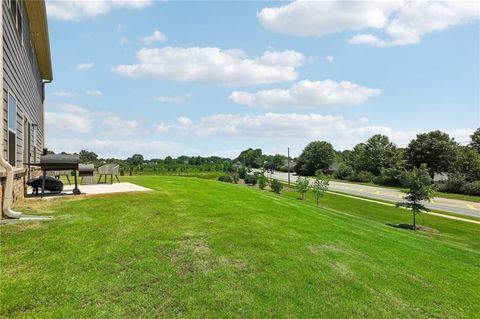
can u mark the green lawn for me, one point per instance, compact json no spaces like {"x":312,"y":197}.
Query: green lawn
{"x":200,"y":248}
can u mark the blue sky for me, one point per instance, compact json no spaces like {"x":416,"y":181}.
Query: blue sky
{"x":213,"y":78}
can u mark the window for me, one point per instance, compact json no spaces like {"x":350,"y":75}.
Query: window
{"x":12,"y":129}
{"x":12,"y":113}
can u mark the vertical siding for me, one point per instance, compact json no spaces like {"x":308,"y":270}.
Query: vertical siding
{"x":22,"y":79}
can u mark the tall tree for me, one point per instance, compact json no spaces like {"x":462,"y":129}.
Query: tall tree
{"x":86,"y":156}
{"x":475,"y":143}
{"x":376,"y":154}
{"x":468,"y":163}
{"x":135,"y":160}
{"x":436,"y":149}
{"x":317,"y":155}
{"x":419,"y":190}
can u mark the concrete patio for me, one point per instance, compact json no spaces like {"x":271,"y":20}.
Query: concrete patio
{"x":95,"y":189}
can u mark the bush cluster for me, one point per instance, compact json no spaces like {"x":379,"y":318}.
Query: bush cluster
{"x":225,"y":179}
{"x":276,"y":186}
{"x":251,"y":179}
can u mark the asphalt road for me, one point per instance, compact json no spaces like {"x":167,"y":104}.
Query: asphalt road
{"x":460,"y":207}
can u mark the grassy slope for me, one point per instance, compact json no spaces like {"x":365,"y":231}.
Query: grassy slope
{"x":200,"y":248}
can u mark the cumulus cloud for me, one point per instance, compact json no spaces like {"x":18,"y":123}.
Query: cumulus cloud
{"x":94,"y":93}
{"x":75,"y":10}
{"x":404,"y":22}
{"x":156,"y":36}
{"x":329,"y":59}
{"x":118,"y":126}
{"x":107,"y":148}
{"x":177,"y":99}
{"x":162,"y":128}
{"x":69,"y":118}
{"x":210,"y":65}
{"x":308,"y":93}
{"x":84,"y":66}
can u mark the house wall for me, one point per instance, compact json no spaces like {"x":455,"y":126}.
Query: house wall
{"x":21,"y":78}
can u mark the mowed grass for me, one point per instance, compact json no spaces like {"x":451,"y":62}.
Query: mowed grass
{"x":200,"y":248}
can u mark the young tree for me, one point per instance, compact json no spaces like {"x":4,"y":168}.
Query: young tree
{"x":262,"y":181}
{"x":302,"y":186}
{"x":419,"y":190}
{"x":276,"y":186}
{"x":320,"y":186}
{"x":436,"y":149}
{"x":316,"y":155}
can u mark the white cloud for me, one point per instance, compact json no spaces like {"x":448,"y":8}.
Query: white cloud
{"x":65,"y":94}
{"x":405,"y":22}
{"x":177,"y":99}
{"x":119,"y":126}
{"x":329,"y":59}
{"x":212,"y":65}
{"x":74,"y":10}
{"x":107,"y":148}
{"x":367,"y":39}
{"x":286,"y":126}
{"x":84,"y":66}
{"x":69,"y":118}
{"x":156,"y":36}
{"x":317,"y":18}
{"x":162,"y":128}
{"x":308,"y":93}
{"x":93,"y":93}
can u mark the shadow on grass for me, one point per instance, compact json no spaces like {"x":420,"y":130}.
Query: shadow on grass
{"x":418,"y":228}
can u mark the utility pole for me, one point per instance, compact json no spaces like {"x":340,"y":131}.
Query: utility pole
{"x":288,"y":164}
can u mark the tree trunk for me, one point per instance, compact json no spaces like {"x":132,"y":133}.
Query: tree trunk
{"x":414,"y":221}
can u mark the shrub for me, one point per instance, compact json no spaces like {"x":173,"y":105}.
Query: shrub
{"x":225,"y":179}
{"x":235,"y":178}
{"x":343,"y":172}
{"x":276,"y":186}
{"x":262,"y":181}
{"x":391,"y":177}
{"x":362,"y":176}
{"x":242,"y":172}
{"x":472,"y":188}
{"x":251,"y":179}
{"x":454,"y":184}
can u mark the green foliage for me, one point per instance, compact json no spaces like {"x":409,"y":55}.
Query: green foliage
{"x":135,"y":160}
{"x":471,"y":188}
{"x":302,"y":186}
{"x":361,"y":176}
{"x":235,"y":177}
{"x":468,"y":163}
{"x":320,"y":186}
{"x":436,"y":149}
{"x":316,"y":155}
{"x":242,"y":172}
{"x":251,"y":157}
{"x":87,"y":157}
{"x":344,"y":171}
{"x":225,"y":179}
{"x":376,"y":154}
{"x":251,"y":179}
{"x":262,"y":181}
{"x":419,"y":190}
{"x":276,"y":186}
{"x":391,"y":177}
{"x":475,"y":143}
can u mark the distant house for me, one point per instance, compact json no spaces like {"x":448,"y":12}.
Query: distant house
{"x":27,"y":68}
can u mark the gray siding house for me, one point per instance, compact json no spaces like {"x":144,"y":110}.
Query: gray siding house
{"x":26,"y":69}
